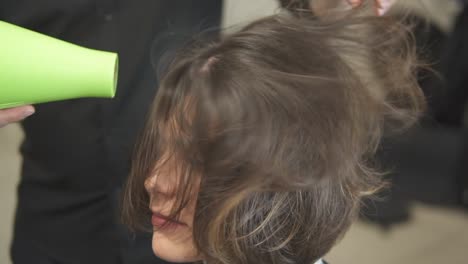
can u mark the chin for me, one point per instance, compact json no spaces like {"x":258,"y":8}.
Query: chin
{"x":174,"y":250}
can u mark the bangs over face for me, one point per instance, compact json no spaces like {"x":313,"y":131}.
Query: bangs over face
{"x":275,"y":127}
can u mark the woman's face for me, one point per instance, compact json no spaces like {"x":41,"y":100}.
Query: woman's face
{"x":172,"y":241}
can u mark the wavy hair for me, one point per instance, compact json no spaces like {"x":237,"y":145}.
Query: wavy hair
{"x":276,"y":127}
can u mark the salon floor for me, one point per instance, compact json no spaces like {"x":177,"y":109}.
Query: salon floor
{"x":433,"y":236}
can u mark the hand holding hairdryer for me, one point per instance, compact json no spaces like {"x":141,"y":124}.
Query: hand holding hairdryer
{"x":15,"y":114}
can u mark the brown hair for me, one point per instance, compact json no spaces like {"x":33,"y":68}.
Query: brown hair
{"x":279,"y":123}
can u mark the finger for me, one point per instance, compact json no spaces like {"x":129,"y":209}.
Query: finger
{"x":384,"y":6}
{"x":16,"y":114}
{"x":381,"y":6}
{"x":354,"y":3}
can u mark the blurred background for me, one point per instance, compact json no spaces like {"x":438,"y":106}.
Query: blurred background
{"x":423,"y":217}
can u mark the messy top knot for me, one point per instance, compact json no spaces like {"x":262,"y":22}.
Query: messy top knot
{"x":276,"y":126}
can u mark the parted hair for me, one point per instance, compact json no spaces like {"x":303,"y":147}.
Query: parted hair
{"x":276,"y":127}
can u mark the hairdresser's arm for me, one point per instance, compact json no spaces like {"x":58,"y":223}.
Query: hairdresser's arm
{"x":15,"y":114}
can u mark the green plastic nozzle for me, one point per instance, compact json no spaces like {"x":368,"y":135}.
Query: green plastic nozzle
{"x":35,"y":68}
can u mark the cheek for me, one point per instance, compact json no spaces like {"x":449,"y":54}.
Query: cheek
{"x":176,"y":246}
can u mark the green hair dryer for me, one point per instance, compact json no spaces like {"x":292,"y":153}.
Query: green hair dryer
{"x":35,"y":68}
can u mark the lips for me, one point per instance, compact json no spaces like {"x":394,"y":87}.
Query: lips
{"x":163,"y":222}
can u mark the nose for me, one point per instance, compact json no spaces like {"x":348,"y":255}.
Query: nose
{"x":159,"y":187}
{"x":150,"y":184}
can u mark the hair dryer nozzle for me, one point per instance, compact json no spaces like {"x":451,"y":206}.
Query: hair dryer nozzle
{"x":35,"y":68}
